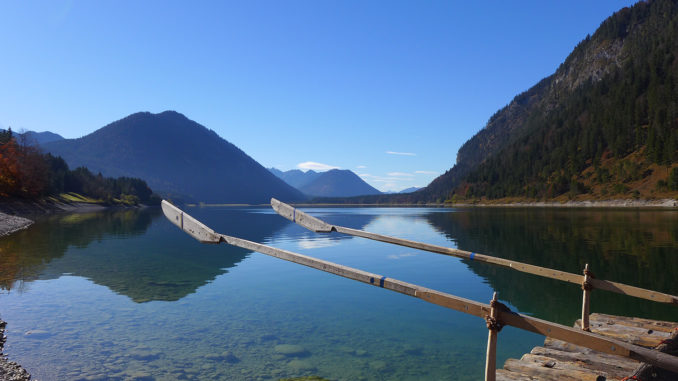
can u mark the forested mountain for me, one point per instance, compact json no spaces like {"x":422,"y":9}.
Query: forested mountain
{"x":295,"y":177}
{"x":176,"y":156}
{"x":604,"y":125}
{"x":332,"y":183}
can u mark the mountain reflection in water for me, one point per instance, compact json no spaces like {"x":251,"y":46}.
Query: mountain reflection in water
{"x":119,"y":250}
{"x":638,"y":248}
{"x":126,"y":250}
{"x":229,"y":304}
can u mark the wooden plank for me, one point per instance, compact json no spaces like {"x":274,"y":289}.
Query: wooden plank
{"x":615,"y":366}
{"x":552,"y":363}
{"x":505,"y":375}
{"x":590,"y":340}
{"x":559,"y":354}
{"x":649,"y":324}
{"x":377,"y":280}
{"x":629,"y":334}
{"x":317,"y":225}
{"x":188,"y":224}
{"x":542,"y":372}
{"x":561,"y":345}
{"x":519,"y":266}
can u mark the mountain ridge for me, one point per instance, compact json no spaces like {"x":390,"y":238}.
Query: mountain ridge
{"x":603,"y":126}
{"x":177,"y":157}
{"x":296,"y":177}
{"x":332,"y":183}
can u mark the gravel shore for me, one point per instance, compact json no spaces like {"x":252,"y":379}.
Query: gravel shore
{"x":9,"y":224}
{"x":9,"y":370}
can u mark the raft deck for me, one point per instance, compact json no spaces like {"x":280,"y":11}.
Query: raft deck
{"x":562,"y":361}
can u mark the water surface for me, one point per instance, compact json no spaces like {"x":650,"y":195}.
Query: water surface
{"x":127,"y":295}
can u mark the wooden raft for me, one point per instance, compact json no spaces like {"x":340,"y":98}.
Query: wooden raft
{"x":562,"y":361}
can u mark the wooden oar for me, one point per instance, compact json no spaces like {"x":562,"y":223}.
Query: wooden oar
{"x":320,"y":226}
{"x":204,"y":234}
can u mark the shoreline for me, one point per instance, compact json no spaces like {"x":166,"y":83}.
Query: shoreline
{"x":9,"y":370}
{"x":620,"y":203}
{"x":10,"y":224}
{"x":16,"y":215}
{"x":667,"y":203}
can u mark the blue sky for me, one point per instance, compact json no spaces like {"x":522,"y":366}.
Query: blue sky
{"x":388,"y":89}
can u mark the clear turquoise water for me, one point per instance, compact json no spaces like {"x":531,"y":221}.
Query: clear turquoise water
{"x":126,"y":295}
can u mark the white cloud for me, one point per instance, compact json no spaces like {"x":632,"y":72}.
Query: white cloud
{"x":361,"y":167}
{"x":382,"y":179}
{"x":426,"y":172}
{"x":400,"y":174}
{"x":401,"y":153}
{"x":315,"y":166}
{"x":404,"y":255}
{"x":315,"y":243}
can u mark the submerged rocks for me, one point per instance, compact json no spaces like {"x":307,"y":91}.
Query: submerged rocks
{"x":378,"y":365}
{"x":10,"y":371}
{"x":300,"y":365}
{"x":37,"y":334}
{"x":144,"y":354}
{"x":224,"y":356}
{"x":291,"y":350}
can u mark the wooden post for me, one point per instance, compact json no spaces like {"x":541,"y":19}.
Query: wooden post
{"x":585,"y":311}
{"x":491,"y":358}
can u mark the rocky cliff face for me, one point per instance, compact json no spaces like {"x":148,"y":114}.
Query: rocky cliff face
{"x":612,"y":52}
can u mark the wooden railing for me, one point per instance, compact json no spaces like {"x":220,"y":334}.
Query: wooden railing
{"x":495,"y":314}
{"x":587,"y":281}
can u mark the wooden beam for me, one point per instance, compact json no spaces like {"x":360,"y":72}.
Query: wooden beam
{"x":317,"y":225}
{"x":586,"y":339}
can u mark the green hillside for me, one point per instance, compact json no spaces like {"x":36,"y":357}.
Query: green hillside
{"x":605,"y":125}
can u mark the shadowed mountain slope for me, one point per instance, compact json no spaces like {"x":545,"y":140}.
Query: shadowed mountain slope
{"x":176,"y":156}
{"x":604,"y":125}
{"x":601,"y":126}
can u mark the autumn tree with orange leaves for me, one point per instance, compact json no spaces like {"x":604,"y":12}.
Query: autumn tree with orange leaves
{"x":26,"y":173}
{"x":23,"y":171}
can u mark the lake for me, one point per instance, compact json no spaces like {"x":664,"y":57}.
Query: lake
{"x":125,"y":294}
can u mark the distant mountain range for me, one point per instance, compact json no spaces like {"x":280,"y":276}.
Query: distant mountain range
{"x":39,"y":138}
{"x":177,"y":157}
{"x":410,"y":190}
{"x":296,"y":177}
{"x":333,"y":183}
